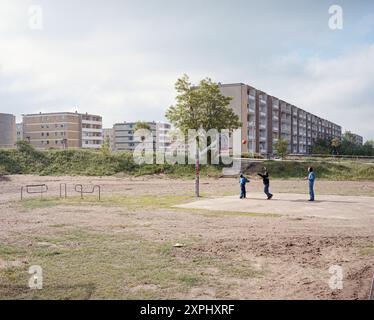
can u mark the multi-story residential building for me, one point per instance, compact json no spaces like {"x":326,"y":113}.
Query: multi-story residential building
{"x":7,"y":130}
{"x":266,"y":119}
{"x":359,"y":140}
{"x":92,"y":131}
{"x":108,"y":137}
{"x":63,"y":130}
{"x":125,"y":140}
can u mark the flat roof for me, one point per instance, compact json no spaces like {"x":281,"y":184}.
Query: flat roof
{"x":59,"y":113}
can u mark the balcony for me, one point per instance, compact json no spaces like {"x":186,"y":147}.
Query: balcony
{"x":286,"y":129}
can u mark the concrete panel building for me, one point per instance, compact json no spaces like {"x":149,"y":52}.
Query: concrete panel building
{"x":266,"y":119}
{"x":357,"y":139}
{"x":8,"y":133}
{"x":63,"y":130}
{"x":125,"y":140}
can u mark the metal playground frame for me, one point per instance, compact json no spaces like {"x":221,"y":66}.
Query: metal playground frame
{"x":43,"y":188}
{"x":79,"y":188}
{"x":34,"y":188}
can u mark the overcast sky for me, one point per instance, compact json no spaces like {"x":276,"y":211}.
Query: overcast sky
{"x":120,"y":59}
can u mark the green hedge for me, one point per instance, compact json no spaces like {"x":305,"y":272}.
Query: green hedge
{"x":27,"y":160}
{"x":86,"y":162}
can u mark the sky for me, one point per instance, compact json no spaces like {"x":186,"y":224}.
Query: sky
{"x":120,"y":59}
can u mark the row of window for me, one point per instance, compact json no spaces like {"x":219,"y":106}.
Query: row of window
{"x":56,"y":126}
{"x":46,"y":134}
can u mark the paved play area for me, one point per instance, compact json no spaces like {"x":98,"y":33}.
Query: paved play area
{"x":326,"y":206}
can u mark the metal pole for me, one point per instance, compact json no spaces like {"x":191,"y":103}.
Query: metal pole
{"x":197,"y":179}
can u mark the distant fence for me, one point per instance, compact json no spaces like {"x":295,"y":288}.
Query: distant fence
{"x":330,"y":156}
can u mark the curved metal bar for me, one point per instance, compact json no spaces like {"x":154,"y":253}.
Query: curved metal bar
{"x":29,"y":189}
{"x":79,"y":188}
{"x":43,"y":188}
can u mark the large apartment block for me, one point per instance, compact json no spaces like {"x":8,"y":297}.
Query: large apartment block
{"x":63,"y":130}
{"x":266,"y":119}
{"x":7,"y":130}
{"x":357,"y":139}
{"x":125,"y":140}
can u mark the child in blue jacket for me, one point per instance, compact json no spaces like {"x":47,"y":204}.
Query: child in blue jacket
{"x":243,"y":181}
{"x":311,"y":178}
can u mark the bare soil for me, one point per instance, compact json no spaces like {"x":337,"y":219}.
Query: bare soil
{"x":122,"y":247}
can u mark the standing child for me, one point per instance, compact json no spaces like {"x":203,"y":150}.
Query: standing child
{"x":265,"y":178}
{"x":243,"y":181}
{"x":311,"y":178}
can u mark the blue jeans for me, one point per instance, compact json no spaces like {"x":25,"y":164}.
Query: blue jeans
{"x":311,"y":190}
{"x":266,"y":191}
{"x":243,"y":192}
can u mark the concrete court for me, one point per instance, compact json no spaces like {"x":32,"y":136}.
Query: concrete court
{"x":325,"y":206}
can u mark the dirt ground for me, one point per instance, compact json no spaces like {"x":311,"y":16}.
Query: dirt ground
{"x":123,"y":246}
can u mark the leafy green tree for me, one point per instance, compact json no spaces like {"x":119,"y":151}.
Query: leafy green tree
{"x":105,"y":148}
{"x":321,"y":146}
{"x":281,"y":148}
{"x":201,"y":107}
{"x":24,"y":146}
{"x":335,"y":144}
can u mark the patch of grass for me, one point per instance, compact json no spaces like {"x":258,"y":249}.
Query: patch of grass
{"x":368,"y":250}
{"x":99,"y":265}
{"x":142,"y":201}
{"x":37,"y":203}
{"x":190,"y":280}
{"x":10,"y":250}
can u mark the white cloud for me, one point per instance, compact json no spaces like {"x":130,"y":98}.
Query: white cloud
{"x":121,"y":59}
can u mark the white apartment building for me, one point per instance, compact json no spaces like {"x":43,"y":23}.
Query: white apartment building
{"x":125,"y":140}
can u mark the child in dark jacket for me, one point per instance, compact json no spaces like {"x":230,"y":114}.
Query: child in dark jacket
{"x":243,"y":181}
{"x":265,"y":178}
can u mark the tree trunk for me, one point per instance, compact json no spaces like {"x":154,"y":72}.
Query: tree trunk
{"x":209,"y":152}
{"x":197,"y":173}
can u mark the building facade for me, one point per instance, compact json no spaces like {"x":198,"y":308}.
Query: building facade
{"x":63,"y":130}
{"x":357,"y":139}
{"x":8,"y":135}
{"x":266,"y":119}
{"x":125,"y":139}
